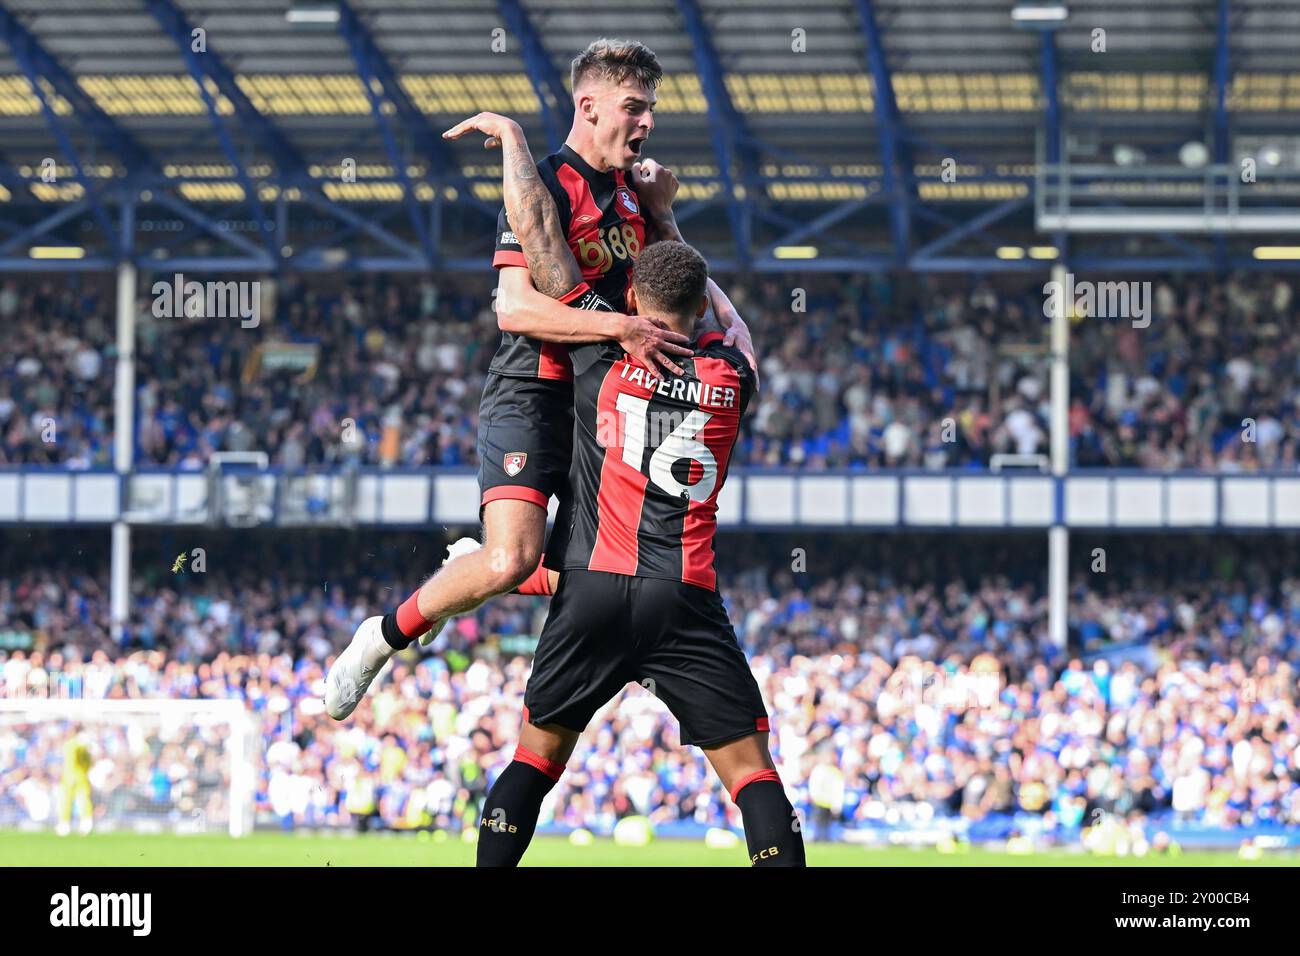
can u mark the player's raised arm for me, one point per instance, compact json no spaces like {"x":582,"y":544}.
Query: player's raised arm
{"x":719,"y":305}
{"x":526,"y":296}
{"x":656,"y":186}
{"x":733,"y":326}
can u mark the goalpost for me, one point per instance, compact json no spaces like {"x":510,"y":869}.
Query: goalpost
{"x":183,"y":766}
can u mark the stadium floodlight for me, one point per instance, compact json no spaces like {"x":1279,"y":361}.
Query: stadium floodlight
{"x":1010,"y":252}
{"x":1277,"y":252}
{"x":57,"y":252}
{"x":1039,"y":14}
{"x":313,"y":14}
{"x":1043,"y":252}
{"x":1193,"y":155}
{"x":795,"y":252}
{"x":1270,"y":156}
{"x":1128,"y":155}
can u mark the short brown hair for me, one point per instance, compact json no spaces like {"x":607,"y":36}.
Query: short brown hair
{"x":616,"y":61}
{"x":671,"y":276}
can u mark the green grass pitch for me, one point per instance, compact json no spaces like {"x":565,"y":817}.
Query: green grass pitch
{"x":277,"y":849}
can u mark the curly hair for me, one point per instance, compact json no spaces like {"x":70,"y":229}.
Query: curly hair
{"x":616,"y":61}
{"x":671,"y":276}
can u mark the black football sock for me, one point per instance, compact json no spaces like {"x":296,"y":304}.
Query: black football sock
{"x":404,"y":625}
{"x":771,"y":828}
{"x":510,"y":811}
{"x":392,"y":633}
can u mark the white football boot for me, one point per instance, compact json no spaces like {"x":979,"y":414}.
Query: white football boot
{"x":355,"y":669}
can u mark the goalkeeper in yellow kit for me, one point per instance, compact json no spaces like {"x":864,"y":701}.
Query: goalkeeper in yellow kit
{"x":74,"y":787}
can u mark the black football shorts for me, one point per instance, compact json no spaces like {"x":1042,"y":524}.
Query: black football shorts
{"x":525,"y":439}
{"x":606,"y":630}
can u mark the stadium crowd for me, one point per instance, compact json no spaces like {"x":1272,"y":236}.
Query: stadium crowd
{"x":856,"y":372}
{"x":891,"y":700}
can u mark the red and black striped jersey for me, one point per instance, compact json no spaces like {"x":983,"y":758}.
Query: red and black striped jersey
{"x":606,"y":232}
{"x":650,"y":455}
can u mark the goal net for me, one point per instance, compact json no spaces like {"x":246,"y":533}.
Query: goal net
{"x":143,"y":765}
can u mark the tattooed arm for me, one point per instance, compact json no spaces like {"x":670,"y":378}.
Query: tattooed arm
{"x":525,"y":296}
{"x":532,"y":215}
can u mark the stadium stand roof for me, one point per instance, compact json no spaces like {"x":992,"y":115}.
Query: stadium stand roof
{"x":761,"y":97}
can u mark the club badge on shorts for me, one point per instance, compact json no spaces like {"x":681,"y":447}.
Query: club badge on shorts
{"x":625,"y":197}
{"x":514,"y":462}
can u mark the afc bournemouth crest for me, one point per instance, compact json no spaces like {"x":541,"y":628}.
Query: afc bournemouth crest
{"x":625,"y":197}
{"x":515,"y":461}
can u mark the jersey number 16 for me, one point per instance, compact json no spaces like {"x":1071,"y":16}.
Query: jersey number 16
{"x":680,"y":444}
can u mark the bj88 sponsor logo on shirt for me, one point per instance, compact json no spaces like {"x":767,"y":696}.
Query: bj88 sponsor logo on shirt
{"x":598,"y":251}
